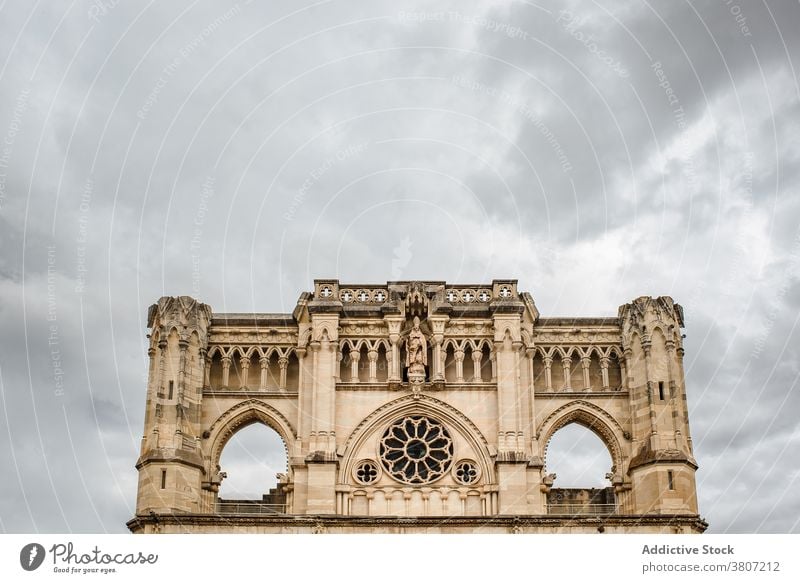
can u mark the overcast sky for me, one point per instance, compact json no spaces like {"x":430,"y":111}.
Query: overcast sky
{"x":235,"y":152}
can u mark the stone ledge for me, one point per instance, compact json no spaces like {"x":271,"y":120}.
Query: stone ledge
{"x":176,"y":523}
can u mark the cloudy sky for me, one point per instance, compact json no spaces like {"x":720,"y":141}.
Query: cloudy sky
{"x":235,"y":152}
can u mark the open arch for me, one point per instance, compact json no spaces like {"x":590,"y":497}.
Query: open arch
{"x":593,"y":418}
{"x":578,"y":457}
{"x":579,"y":460}
{"x":240,"y":416}
{"x":252,"y":458}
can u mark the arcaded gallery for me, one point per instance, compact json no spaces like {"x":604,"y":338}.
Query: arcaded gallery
{"x":416,"y":407}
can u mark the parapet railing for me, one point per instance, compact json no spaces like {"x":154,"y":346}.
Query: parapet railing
{"x":247,"y":507}
{"x":582,"y":509}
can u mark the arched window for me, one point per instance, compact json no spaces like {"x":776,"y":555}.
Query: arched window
{"x":486,"y":364}
{"x":363,"y":364}
{"x":215,"y":376}
{"x":344,"y":365}
{"x":557,"y":372}
{"x":252,"y":458}
{"x":235,"y":371}
{"x":450,"y":365}
{"x":595,"y":372}
{"x":580,"y":460}
{"x":254,"y":371}
{"x":469,"y":367}
{"x":614,"y":371}
{"x":382,"y":364}
{"x":293,"y":373}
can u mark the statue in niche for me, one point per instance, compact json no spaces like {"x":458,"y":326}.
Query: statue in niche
{"x":416,"y":353}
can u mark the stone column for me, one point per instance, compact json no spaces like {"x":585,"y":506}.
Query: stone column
{"x":244,"y":363}
{"x":604,"y":362}
{"x":226,"y":368}
{"x":684,"y":407}
{"x":314,"y":346}
{"x":393,"y":323}
{"x":437,"y":361}
{"x":566,"y":364}
{"x":207,"y":367}
{"x":623,"y":374}
{"x":438,"y":324}
{"x":355,"y":357}
{"x":548,"y":373}
{"x":511,"y":463}
{"x":151,"y":369}
{"x":459,"y":365}
{"x":625,"y":369}
{"x":283,"y":363}
{"x":586,"y":362}
{"x":301,"y":369}
{"x":477,"y":356}
{"x":182,"y":346}
{"x":162,"y":365}
{"x":372,"y":355}
{"x":655,"y":442}
{"x":671,"y":387}
{"x":264,"y":361}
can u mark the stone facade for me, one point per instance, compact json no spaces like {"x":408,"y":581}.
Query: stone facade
{"x":417,"y":407}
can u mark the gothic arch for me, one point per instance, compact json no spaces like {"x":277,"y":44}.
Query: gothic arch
{"x":236,"y":350}
{"x":455,"y":343}
{"x":590,"y":350}
{"x":526,"y":338}
{"x":409,"y":405}
{"x":240,"y":416}
{"x":593,"y":418}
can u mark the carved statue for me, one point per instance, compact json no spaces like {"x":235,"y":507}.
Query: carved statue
{"x":416,"y":350}
{"x":218,"y":476}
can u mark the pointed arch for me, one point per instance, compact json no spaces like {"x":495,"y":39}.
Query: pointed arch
{"x":593,"y":418}
{"x":240,"y":416}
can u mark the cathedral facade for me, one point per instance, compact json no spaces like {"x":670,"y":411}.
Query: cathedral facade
{"x":416,"y":407}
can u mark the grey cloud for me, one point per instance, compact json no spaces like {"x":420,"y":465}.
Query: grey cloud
{"x":143,"y":118}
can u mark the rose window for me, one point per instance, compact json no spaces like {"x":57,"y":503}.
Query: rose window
{"x":416,"y":450}
{"x":466,"y":472}
{"x":367,"y":472}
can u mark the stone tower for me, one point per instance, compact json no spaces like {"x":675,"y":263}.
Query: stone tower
{"x":171,"y":467}
{"x":662,"y":467}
